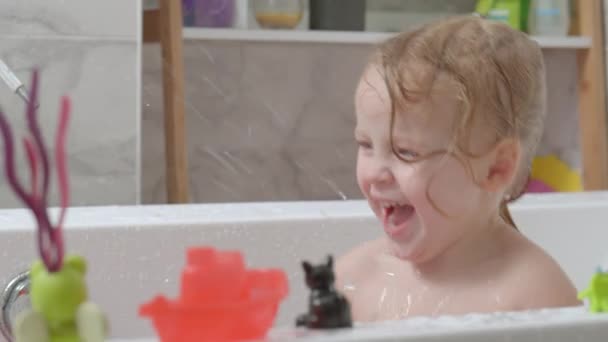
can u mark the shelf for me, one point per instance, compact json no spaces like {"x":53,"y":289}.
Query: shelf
{"x":343,"y":37}
{"x":570,"y":42}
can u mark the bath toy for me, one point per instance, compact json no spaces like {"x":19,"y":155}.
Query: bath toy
{"x":58,"y":292}
{"x":537,"y":186}
{"x":220,"y":300}
{"x":327,"y":308}
{"x":512,"y":12}
{"x":597,"y":292}
{"x":553,"y":174}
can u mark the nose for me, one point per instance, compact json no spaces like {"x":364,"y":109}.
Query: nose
{"x":382,"y":174}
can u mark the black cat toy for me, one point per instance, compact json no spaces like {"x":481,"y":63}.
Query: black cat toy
{"x":327,"y":308}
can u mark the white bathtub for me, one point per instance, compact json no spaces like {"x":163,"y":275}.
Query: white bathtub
{"x":137,"y":252}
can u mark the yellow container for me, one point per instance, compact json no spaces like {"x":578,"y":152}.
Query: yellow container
{"x":556,"y":173}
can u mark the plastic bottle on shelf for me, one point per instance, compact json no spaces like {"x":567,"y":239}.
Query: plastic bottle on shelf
{"x":213,"y":13}
{"x":549,"y":18}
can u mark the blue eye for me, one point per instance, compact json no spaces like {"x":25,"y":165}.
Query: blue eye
{"x":408,"y":155}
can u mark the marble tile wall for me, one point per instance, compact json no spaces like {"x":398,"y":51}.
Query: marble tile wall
{"x":266,"y":121}
{"x":89,"y":50}
{"x":274,"y":121}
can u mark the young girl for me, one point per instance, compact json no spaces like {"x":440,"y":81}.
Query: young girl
{"x":448,"y":120}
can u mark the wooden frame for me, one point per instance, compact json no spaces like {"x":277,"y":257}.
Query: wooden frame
{"x":165,"y":25}
{"x":592,"y":96}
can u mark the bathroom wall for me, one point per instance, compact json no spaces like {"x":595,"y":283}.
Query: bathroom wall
{"x":274,"y":121}
{"x":88,"y":50}
{"x":266,"y":121}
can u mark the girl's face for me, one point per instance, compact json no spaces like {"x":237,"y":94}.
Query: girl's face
{"x":428,"y":201}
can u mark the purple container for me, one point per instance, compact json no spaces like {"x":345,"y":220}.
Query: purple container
{"x":188,"y":12}
{"x":213,"y":13}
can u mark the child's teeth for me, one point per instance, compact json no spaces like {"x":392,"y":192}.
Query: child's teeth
{"x":388,"y":205}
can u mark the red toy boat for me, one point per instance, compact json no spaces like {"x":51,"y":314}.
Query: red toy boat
{"x":219,"y":301}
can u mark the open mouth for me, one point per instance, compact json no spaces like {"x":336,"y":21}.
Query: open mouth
{"x":395,"y":217}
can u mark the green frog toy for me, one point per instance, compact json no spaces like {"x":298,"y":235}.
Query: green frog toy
{"x":597,"y":292}
{"x":60,"y":310}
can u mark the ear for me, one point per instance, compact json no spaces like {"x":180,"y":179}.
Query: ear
{"x":502,"y":166}
{"x":330,"y":261}
{"x":306,"y":266}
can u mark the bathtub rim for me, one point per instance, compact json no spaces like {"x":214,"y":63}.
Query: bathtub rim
{"x":112,"y":216}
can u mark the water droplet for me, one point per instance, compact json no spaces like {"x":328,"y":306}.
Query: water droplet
{"x":381,"y":301}
{"x":409,"y":304}
{"x":350,"y":287}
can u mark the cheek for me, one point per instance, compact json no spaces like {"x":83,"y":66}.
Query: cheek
{"x":363,"y":179}
{"x":451,"y":188}
{"x":414,"y":183}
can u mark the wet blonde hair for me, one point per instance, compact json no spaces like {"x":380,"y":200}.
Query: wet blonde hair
{"x":496,"y":73}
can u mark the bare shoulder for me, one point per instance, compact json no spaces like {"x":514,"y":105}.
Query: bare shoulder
{"x":356,"y":263}
{"x":535,"y":280}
